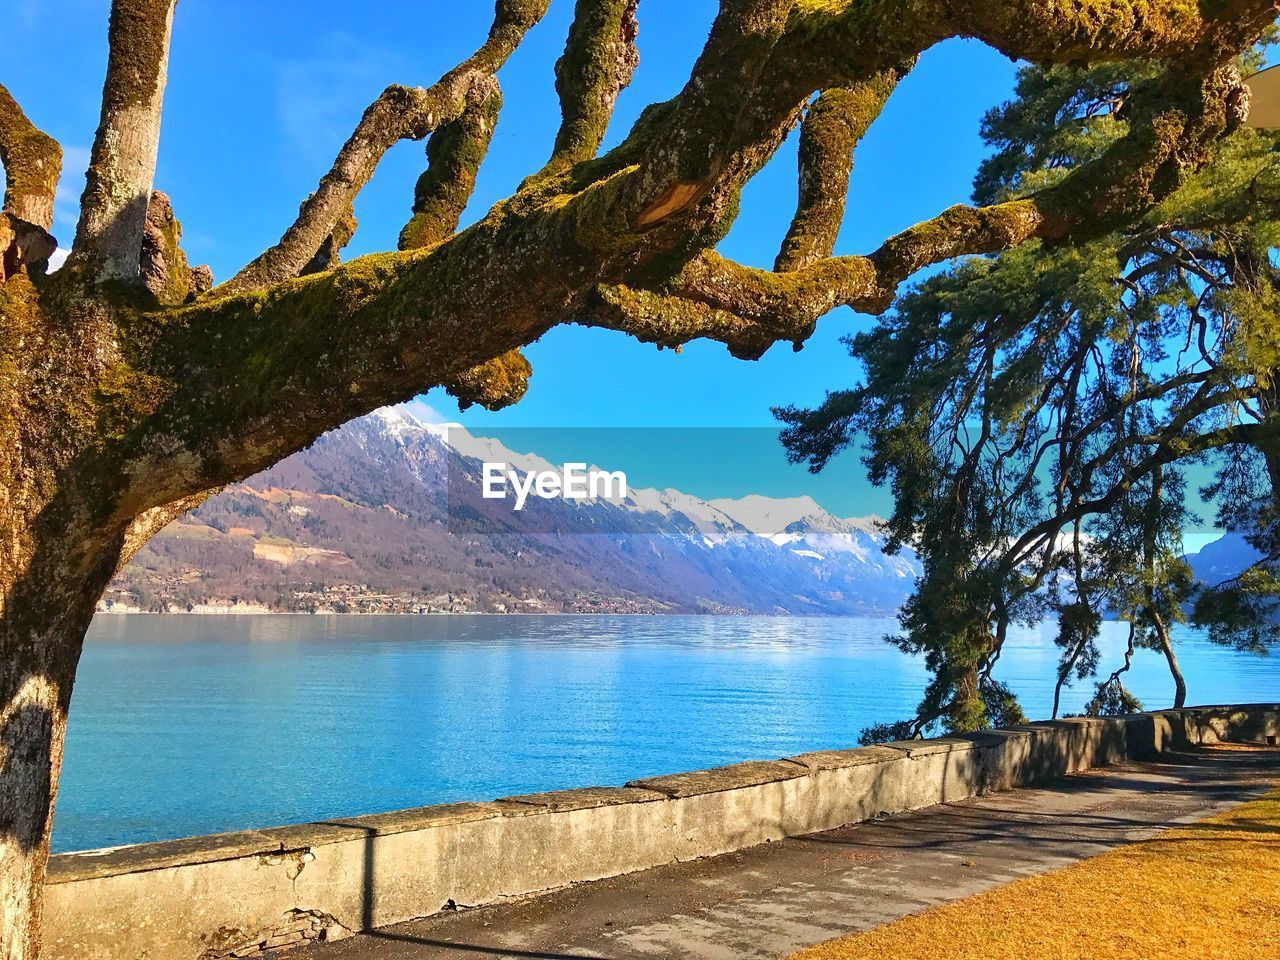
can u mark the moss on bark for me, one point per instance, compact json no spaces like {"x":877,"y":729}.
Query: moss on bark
{"x":32,"y":162}
{"x":454,"y":154}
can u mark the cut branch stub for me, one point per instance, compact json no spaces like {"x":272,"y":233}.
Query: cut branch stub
{"x":32,"y":163}
{"x":495,"y":384}
{"x":163,"y":266}
{"x":22,"y":245}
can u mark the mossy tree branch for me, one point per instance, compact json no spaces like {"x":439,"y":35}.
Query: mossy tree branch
{"x":122,"y":165}
{"x":833,"y":126}
{"x":599,"y":58}
{"x":395,"y":325}
{"x":400,"y":113}
{"x":454,"y":154}
{"x":750,"y":309}
{"x":32,"y":163}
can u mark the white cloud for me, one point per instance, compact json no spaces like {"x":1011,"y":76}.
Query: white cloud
{"x":58,"y":259}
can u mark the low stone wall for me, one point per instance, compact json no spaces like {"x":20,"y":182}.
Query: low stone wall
{"x":260,"y":892}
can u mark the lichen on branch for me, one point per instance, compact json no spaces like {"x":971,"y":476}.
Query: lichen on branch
{"x":833,"y":126}
{"x":599,"y":58}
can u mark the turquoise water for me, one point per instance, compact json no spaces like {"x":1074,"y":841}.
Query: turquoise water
{"x":184,"y":725}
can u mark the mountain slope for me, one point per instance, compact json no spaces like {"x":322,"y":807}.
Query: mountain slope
{"x":1223,"y":559}
{"x":386,"y":515}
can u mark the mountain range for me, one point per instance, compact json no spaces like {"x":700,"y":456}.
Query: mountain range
{"x":386,"y":514}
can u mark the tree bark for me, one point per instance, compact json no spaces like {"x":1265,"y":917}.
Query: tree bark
{"x":966,"y":712}
{"x":122,"y":166}
{"x":45,"y":612}
{"x":1171,"y":658}
{"x":61,"y":537}
{"x":32,"y":161}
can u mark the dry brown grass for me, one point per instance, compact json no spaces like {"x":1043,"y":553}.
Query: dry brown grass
{"x":1207,"y":891}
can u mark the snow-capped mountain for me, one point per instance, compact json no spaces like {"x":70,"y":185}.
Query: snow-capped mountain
{"x":387,"y":513}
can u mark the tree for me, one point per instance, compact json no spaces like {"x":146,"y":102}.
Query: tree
{"x":129,"y":389}
{"x":1036,"y":410}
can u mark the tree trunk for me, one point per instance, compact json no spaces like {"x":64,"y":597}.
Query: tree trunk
{"x":45,"y":610}
{"x":1153,"y":610}
{"x":967,"y":712}
{"x":1166,"y":646}
{"x":34,"y":724}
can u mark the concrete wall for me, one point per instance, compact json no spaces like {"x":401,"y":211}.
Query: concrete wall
{"x":258,"y":892}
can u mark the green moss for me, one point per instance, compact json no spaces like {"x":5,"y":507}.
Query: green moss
{"x":833,"y":126}
{"x":454,"y":154}
{"x":498,"y":383}
{"x":124,"y":396}
{"x":138,"y":36}
{"x":519,"y":13}
{"x":32,"y":160}
{"x":599,"y":59}
{"x":164,"y":268}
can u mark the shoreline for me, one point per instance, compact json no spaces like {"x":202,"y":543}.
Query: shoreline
{"x":248,"y":612}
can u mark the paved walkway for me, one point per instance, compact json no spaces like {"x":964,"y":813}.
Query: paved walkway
{"x":771,"y":900}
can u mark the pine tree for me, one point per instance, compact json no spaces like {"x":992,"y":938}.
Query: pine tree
{"x":1037,"y":412}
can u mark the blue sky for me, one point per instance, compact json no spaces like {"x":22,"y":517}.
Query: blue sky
{"x":262,"y":95}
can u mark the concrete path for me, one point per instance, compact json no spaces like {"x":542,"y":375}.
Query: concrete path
{"x":771,"y":900}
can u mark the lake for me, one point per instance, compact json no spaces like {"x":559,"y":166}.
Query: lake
{"x":184,"y":725}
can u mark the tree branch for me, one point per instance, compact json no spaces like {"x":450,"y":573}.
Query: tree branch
{"x":599,"y":58}
{"x":257,"y":375}
{"x":122,"y":165}
{"x":834,"y":125}
{"x":411,"y":316}
{"x":400,"y":113}
{"x":750,"y":309}
{"x":1178,"y":119}
{"x":32,"y":164}
{"x":330,"y":253}
{"x":669,"y":320}
{"x":454,"y":154}
{"x":746,"y":309}
{"x":1096,"y":32}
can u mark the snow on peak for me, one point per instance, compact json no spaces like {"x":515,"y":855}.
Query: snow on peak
{"x":784,"y":520}
{"x":402,"y":424}
{"x":770,"y":515}
{"x":703,"y":515}
{"x":398,"y":422}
